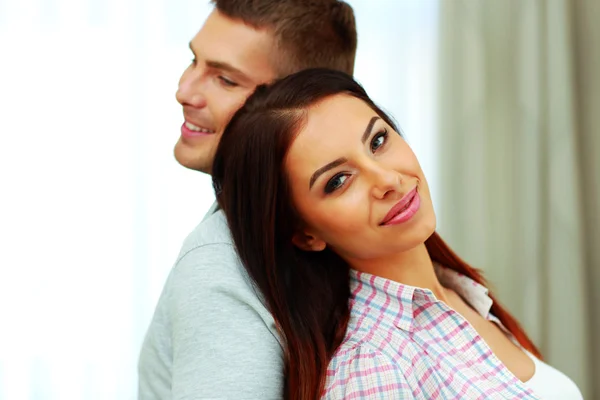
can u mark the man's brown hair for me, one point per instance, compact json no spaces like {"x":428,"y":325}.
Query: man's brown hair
{"x":308,"y":33}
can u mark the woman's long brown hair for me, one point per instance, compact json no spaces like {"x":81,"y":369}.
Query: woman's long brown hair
{"x":307,"y":292}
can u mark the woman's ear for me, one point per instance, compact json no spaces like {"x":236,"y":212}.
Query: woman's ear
{"x":308,"y":242}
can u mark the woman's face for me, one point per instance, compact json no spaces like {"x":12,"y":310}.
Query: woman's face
{"x":356,"y":184}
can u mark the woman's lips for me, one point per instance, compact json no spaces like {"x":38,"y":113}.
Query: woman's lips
{"x":404,"y":210}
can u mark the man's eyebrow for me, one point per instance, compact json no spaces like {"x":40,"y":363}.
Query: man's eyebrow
{"x":220,"y":65}
{"x":369,"y":128}
{"x":324,"y":169}
{"x":225,"y":67}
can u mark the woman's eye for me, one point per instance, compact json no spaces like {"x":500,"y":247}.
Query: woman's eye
{"x":379,"y":140}
{"x":335,"y":183}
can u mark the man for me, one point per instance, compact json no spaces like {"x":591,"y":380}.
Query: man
{"x":211,"y":335}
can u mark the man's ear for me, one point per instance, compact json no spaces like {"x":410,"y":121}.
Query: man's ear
{"x":308,"y":242}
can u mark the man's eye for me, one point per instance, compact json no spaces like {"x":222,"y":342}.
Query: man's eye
{"x":335,"y":183}
{"x":227,"y":82}
{"x":379,"y":140}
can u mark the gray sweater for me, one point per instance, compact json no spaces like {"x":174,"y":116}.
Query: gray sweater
{"x":211,"y":336}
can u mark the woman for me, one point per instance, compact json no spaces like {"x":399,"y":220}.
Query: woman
{"x":332,"y":217}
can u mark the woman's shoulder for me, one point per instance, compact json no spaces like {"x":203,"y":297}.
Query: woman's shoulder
{"x":359,"y":367}
{"x":372,"y":329}
{"x":370,"y":341}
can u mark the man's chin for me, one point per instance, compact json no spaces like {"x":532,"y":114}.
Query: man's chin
{"x":193,"y":158}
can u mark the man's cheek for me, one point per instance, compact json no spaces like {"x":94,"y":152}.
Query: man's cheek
{"x":230,"y":109}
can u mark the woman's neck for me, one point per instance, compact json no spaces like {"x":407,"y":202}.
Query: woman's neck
{"x":413,"y":267}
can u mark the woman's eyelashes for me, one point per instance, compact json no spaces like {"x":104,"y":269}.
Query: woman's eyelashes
{"x":379,"y":139}
{"x":338,"y":180}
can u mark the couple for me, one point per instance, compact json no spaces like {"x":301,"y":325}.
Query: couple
{"x":322,"y":274}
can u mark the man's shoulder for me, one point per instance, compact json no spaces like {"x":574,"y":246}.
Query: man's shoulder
{"x":210,"y":324}
{"x":208,"y":259}
{"x":212,"y":232}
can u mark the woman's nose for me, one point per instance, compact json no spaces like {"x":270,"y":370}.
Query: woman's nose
{"x":386,"y":182}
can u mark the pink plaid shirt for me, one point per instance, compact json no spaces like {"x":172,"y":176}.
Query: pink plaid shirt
{"x":402,"y":343}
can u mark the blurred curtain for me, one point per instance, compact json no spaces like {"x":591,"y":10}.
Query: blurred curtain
{"x":520,"y":164}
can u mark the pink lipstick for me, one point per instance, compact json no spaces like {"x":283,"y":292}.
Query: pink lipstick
{"x":404,"y":210}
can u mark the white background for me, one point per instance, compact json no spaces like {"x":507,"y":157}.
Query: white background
{"x":93,"y":206}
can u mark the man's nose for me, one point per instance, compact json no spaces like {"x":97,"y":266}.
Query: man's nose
{"x":191,"y":90}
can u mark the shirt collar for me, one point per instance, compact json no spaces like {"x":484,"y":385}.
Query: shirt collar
{"x":398,"y":299}
{"x":472,"y":292}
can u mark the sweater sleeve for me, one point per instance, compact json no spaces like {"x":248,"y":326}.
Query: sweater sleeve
{"x":223,"y":341}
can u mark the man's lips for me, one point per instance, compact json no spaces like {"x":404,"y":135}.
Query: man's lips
{"x":197,"y":128}
{"x":190,"y":130}
{"x":400,"y":206}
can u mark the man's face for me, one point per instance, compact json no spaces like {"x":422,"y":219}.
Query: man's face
{"x":230,"y":60}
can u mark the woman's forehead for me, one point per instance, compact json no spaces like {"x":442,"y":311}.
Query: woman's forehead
{"x":336,"y":115}
{"x":332,"y":129}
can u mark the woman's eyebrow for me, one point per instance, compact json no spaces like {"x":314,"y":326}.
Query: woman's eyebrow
{"x":369,"y":128}
{"x":324,"y":169}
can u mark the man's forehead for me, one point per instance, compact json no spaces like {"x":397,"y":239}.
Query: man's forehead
{"x":233,"y":43}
